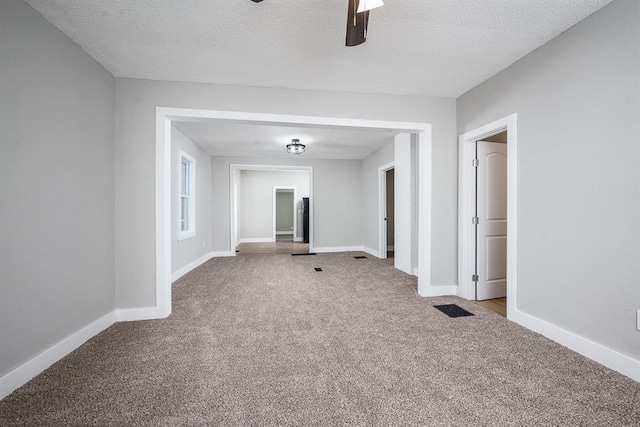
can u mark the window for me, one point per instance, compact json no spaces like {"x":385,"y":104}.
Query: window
{"x":187,"y":197}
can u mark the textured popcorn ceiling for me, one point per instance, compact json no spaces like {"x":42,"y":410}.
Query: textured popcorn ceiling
{"x":418,"y":47}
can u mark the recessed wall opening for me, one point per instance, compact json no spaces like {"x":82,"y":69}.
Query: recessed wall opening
{"x":268,"y":209}
{"x":165,"y":115}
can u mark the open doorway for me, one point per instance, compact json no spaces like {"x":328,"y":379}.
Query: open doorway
{"x":267,"y":204}
{"x":228,"y":236}
{"x":487,"y":245}
{"x":284,"y":214}
{"x":390,"y":205}
{"x":386,"y":197}
{"x":490,"y":222}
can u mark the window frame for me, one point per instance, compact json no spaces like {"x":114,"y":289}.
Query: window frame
{"x":190,"y":231}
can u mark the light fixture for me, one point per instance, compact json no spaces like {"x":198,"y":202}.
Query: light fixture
{"x":295,"y":147}
{"x":365,"y":5}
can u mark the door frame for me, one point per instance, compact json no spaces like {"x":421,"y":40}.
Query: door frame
{"x":466,"y":208}
{"x":277,"y":168}
{"x":164,"y":117}
{"x":295,"y":211}
{"x":382,"y":207}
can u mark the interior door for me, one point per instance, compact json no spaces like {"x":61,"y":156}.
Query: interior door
{"x":491,"y":213}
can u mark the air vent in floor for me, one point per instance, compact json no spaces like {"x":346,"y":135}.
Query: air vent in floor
{"x":453,"y":310}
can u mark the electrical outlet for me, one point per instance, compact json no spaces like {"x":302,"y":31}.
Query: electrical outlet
{"x":638,"y":320}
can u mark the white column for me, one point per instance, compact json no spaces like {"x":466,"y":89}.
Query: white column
{"x":403,"y":190}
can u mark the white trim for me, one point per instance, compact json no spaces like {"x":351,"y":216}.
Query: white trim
{"x":382,"y":209}
{"x":338,"y":249}
{"x":466,"y":203}
{"x":295,"y":211}
{"x":594,"y":351}
{"x":372,"y":252}
{"x":416,"y":271}
{"x":298,"y":239}
{"x":233,"y":227}
{"x":221,"y":254}
{"x":439,"y":291}
{"x":163,"y":213}
{"x":284,"y":233}
{"x":164,"y":115}
{"x":257,"y":240}
{"x":133,"y":314}
{"x":424,"y":212}
{"x":28,"y":370}
{"x":193,"y":264}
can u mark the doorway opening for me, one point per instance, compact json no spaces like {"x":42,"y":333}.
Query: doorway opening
{"x":487,"y":198}
{"x":165,"y":115}
{"x":386,"y":218}
{"x":490,"y":222}
{"x":267,"y":209}
{"x":285,"y":214}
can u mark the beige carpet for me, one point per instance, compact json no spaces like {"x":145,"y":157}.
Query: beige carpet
{"x":266,"y":340}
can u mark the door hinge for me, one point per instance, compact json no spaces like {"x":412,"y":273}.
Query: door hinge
{"x":475,"y":220}
{"x":476,"y":163}
{"x":474,"y":278}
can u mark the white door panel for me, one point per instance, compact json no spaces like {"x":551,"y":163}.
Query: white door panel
{"x":492,"y":220}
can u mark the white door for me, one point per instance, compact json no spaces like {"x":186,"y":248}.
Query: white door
{"x":491,"y":211}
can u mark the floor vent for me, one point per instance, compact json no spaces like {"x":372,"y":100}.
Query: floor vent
{"x":317,"y":269}
{"x":360,"y":257}
{"x":306,"y":253}
{"x":453,"y":310}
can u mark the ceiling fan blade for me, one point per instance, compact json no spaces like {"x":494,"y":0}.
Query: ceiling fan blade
{"x":356,"y":25}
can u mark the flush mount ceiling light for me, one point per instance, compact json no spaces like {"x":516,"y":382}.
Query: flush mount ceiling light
{"x":295,"y":147}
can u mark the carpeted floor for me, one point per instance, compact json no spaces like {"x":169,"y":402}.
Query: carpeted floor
{"x":266,"y":340}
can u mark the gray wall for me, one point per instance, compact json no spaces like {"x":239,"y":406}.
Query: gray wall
{"x":185,"y":251}
{"x":285,"y":211}
{"x":336,"y":199}
{"x":135,"y":207}
{"x":256,"y":200}
{"x":369,"y":221}
{"x":578,"y":102}
{"x":57,"y":130}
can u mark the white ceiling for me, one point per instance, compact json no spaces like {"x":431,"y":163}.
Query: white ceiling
{"x":220,"y":138}
{"x":417,"y":47}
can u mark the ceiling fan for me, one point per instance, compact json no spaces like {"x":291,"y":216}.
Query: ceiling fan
{"x":357,"y":20}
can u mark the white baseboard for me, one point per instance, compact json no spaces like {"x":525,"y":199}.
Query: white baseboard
{"x":193,"y":264}
{"x":256,"y":240}
{"x":221,"y":254}
{"x":338,"y":249}
{"x":283,"y":233}
{"x":298,"y":239}
{"x":440,"y":291}
{"x":371,"y":252}
{"x":594,"y":351}
{"x":132,"y":314}
{"x":28,"y":370}
{"x":415,"y":272}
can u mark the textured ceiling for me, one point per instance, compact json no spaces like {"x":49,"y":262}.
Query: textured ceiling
{"x":419,"y":47}
{"x":220,"y":138}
